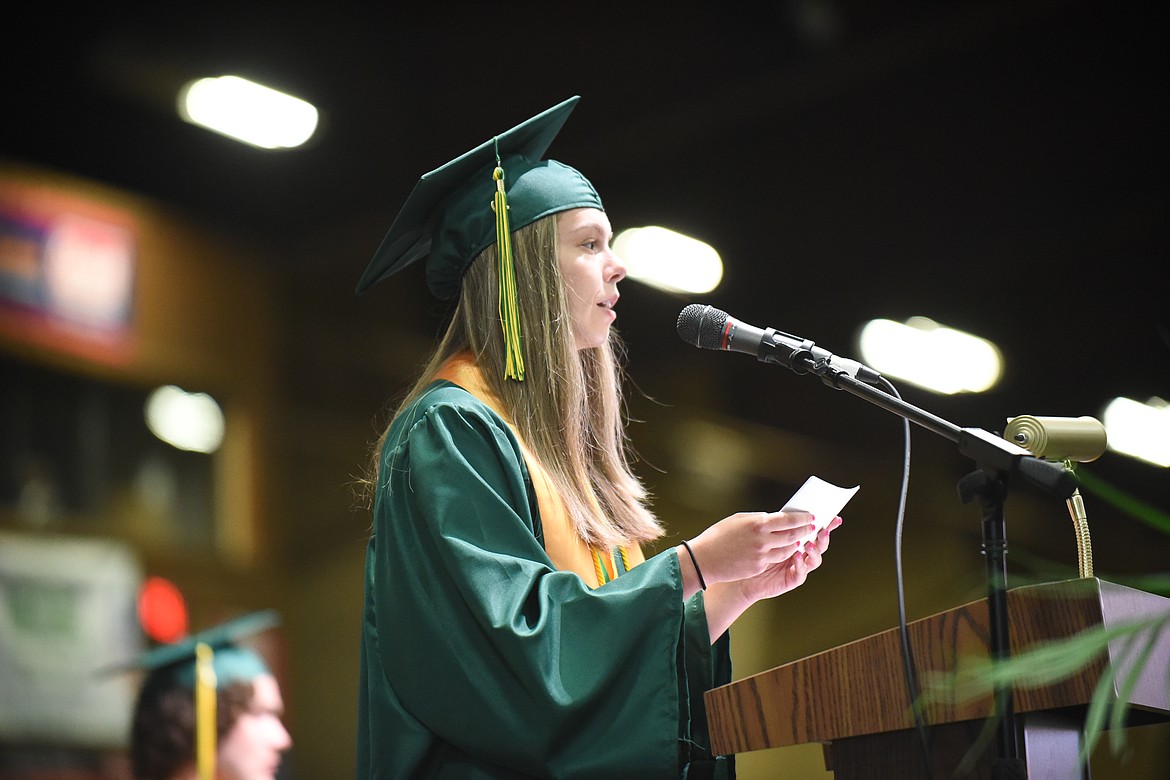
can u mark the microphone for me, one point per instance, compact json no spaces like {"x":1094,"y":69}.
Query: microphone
{"x":709,"y":328}
{"x":1081,"y":439}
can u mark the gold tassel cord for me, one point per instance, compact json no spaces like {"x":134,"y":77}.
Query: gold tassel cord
{"x":205,"y":684}
{"x":599,"y":568}
{"x":602,"y":571}
{"x":509,"y":309}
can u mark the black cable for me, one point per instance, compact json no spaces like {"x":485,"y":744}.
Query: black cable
{"x":907,"y":655}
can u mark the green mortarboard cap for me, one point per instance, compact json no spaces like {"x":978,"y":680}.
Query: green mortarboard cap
{"x":232,"y":663}
{"x":448,"y":217}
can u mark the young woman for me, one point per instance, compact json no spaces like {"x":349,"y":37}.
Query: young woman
{"x":512,"y":626}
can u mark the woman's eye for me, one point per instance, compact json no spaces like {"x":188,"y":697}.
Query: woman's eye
{"x":590,"y":245}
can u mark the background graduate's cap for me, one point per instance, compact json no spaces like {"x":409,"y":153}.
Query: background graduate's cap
{"x":459,"y":209}
{"x":227,"y":658}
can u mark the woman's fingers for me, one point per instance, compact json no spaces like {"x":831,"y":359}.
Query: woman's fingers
{"x":786,"y":528}
{"x":822,"y":541}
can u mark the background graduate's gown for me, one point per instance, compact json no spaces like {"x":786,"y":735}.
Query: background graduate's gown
{"x":481,"y":658}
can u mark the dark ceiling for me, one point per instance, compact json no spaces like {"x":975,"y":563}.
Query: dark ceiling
{"x":998,"y":166}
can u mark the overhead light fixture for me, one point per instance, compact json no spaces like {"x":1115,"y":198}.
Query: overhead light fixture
{"x":248,"y":112}
{"x":1139,"y":430}
{"x":187,"y":421}
{"x":668,"y":260}
{"x":931,"y":356}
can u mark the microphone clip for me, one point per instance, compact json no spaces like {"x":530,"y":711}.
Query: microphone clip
{"x":803,"y":356}
{"x":784,"y":349}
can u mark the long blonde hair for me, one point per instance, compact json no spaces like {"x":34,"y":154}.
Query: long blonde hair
{"x":569,"y":409}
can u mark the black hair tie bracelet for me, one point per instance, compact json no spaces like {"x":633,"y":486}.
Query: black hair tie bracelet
{"x":702,"y":582}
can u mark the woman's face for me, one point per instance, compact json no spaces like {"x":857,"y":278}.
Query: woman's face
{"x":252,"y":749}
{"x":591,"y":271}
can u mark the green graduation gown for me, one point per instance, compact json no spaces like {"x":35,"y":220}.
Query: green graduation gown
{"x":481,"y":660}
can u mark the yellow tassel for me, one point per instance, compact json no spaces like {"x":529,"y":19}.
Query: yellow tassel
{"x":509,"y":311}
{"x":205,"y":684}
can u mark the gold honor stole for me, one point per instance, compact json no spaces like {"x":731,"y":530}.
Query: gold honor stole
{"x":565,"y":548}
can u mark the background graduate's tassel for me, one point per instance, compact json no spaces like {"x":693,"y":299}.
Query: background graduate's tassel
{"x":205,"y":685}
{"x":509,"y":311}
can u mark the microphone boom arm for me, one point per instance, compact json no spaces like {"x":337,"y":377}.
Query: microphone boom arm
{"x":990,"y":452}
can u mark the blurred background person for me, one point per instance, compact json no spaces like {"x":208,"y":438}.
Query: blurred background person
{"x":247,"y":709}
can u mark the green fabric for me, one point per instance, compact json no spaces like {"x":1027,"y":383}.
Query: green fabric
{"x":448,"y":217}
{"x":480,"y":660}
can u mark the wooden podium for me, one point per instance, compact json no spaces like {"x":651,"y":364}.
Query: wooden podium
{"x":854,"y":700}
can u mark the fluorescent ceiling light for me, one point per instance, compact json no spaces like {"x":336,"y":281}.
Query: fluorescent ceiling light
{"x":931,"y":356}
{"x":1139,"y":430}
{"x":668,"y":260}
{"x":186,"y":421}
{"x":248,"y":112}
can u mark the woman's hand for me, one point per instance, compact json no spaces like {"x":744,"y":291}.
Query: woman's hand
{"x":788,"y":574}
{"x":748,"y":544}
{"x":726,"y":601}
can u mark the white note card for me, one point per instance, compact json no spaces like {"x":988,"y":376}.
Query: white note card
{"x":823,"y":500}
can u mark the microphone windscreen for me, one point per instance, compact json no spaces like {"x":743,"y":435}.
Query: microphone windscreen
{"x":702,"y":326}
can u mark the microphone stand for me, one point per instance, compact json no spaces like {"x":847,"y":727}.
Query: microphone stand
{"x":997,"y":461}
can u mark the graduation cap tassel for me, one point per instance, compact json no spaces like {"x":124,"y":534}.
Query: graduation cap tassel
{"x":509,"y":309}
{"x":205,"y":685}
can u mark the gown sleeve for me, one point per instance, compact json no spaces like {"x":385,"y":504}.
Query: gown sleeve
{"x":478,"y":646}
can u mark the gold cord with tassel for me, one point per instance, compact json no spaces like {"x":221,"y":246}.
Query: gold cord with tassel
{"x":205,"y":684}
{"x":509,"y":310}
{"x":599,"y":568}
{"x":602,"y":571}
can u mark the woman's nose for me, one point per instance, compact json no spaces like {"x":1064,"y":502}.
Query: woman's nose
{"x":616,"y":271}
